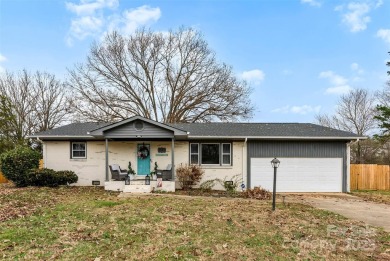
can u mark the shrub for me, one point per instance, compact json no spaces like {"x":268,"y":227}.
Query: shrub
{"x":16,"y":163}
{"x":257,"y":193}
{"x":232,"y":184}
{"x":50,"y":178}
{"x":207,"y":185}
{"x":66,"y":177}
{"x":189,"y":175}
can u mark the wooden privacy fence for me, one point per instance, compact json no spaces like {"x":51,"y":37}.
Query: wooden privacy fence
{"x":370,"y":177}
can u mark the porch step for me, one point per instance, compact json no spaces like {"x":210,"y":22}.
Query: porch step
{"x":138,"y":182}
{"x":137,"y":188}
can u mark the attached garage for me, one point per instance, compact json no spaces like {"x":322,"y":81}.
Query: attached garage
{"x":299,"y":174}
{"x":305,"y":166}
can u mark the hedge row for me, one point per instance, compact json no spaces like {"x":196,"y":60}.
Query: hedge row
{"x":50,"y":178}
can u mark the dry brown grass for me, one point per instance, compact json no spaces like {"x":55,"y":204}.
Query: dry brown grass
{"x":380,"y":196}
{"x":90,"y":224}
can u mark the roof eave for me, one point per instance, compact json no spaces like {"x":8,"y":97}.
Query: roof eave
{"x":279,"y":137}
{"x":45,"y":137}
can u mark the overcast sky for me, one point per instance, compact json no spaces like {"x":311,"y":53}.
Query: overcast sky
{"x":299,"y":56}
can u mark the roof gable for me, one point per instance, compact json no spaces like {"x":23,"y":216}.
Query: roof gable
{"x":128,"y":127}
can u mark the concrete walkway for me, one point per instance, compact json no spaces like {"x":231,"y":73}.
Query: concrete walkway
{"x":375,"y":214}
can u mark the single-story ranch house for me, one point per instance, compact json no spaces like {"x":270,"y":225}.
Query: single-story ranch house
{"x":312,"y":158}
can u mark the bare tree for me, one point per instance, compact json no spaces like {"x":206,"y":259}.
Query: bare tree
{"x":168,"y":77}
{"x":38,"y":102}
{"x":51,"y":102}
{"x":355,"y":113}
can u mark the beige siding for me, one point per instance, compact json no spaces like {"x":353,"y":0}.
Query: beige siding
{"x":57,"y":156}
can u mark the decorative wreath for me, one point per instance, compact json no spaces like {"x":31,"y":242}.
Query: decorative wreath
{"x":143,"y":152}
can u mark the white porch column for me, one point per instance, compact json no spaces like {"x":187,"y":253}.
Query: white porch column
{"x":107,"y":177}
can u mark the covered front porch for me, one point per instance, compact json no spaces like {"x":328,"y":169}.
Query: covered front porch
{"x":142,"y":148}
{"x":144,"y":165}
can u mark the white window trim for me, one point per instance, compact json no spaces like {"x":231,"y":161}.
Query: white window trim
{"x":78,"y":142}
{"x":223,"y":154}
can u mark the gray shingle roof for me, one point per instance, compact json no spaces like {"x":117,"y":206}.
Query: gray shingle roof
{"x":261,"y":130}
{"x":73,"y":129}
{"x":304,"y":130}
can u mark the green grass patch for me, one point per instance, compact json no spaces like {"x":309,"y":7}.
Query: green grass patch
{"x":101,"y":204}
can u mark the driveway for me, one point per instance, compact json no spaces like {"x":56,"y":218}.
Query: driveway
{"x":375,"y":214}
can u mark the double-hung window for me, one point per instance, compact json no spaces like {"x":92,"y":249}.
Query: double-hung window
{"x":79,"y":150}
{"x":226,"y":154}
{"x":194,"y":153}
{"x":211,"y":153}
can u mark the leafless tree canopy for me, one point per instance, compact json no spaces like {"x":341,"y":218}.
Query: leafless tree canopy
{"x":383,"y":96}
{"x":168,"y":77}
{"x":355,"y":113}
{"x":39,"y":102}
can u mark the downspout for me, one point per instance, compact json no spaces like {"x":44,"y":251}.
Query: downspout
{"x":44,"y":152}
{"x":244,"y":170}
{"x":173,"y":159}
{"x":107,"y":178}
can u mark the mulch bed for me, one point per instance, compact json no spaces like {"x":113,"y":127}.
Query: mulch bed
{"x":212,"y":193}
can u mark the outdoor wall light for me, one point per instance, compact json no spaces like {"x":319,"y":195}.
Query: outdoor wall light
{"x":147,"y":180}
{"x":275,"y":164}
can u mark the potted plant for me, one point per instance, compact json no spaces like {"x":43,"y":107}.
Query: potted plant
{"x":154,"y":172}
{"x":131,"y":171}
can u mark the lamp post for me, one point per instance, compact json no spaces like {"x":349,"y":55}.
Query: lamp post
{"x":275,"y":164}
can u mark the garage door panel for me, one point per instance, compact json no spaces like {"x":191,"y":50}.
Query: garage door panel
{"x":298,"y":174}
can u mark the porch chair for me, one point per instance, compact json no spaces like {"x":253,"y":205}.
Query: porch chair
{"x":117,"y":173}
{"x":166,"y":173}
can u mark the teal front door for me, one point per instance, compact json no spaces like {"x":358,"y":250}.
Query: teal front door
{"x":143,"y":159}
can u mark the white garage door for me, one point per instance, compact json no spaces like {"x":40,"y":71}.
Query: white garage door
{"x":298,"y":174}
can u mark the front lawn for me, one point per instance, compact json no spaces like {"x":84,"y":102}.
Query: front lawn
{"x":91,"y":224}
{"x":381,"y":196}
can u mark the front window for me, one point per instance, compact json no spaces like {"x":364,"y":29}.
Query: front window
{"x":211,"y":153}
{"x":79,"y":150}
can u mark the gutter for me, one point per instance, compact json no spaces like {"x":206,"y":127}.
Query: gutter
{"x":278,"y":137}
{"x":216,"y":137}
